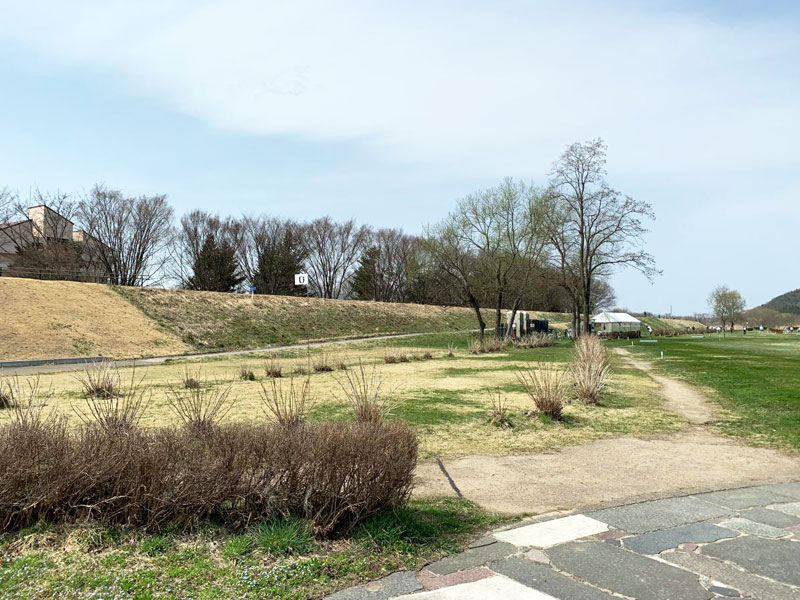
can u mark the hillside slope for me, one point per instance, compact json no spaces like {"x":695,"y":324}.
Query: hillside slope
{"x":57,"y":319}
{"x":785,"y":303}
{"x":218,"y":321}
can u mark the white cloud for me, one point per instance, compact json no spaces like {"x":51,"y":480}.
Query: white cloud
{"x":481,"y":88}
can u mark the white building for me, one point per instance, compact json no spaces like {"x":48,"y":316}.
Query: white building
{"x":612,"y":324}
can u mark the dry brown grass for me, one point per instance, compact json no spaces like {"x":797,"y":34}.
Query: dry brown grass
{"x":64,"y":319}
{"x":590,"y":368}
{"x":412,"y":383}
{"x":362,"y":388}
{"x":287,"y":404}
{"x":545,"y":384}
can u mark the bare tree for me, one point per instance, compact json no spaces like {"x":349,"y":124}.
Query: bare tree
{"x":133,"y":234}
{"x":455,"y":257}
{"x":594,"y":228}
{"x":333,"y":251}
{"x":498,"y":234}
{"x":726,"y":304}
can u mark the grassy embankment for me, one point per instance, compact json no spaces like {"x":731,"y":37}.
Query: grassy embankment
{"x":754,"y":378}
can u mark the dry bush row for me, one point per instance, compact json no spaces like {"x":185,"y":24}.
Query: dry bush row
{"x":391,"y":358}
{"x":537,"y":339}
{"x":487,"y":346}
{"x":115,"y":472}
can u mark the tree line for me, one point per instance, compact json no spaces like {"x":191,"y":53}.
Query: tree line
{"x":513,"y":246}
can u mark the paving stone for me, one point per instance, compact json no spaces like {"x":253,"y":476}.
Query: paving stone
{"x":753,"y":528}
{"x":545,"y":579}
{"x":486,"y":540}
{"x":491,"y":588}
{"x":724,"y":591}
{"x":750,"y":585}
{"x":776,"y":559}
{"x":473,"y":557}
{"x":659,"y":514}
{"x":538,"y":556}
{"x":611,"y":534}
{"x":549,"y":533}
{"x":404,"y":582}
{"x":688,"y":548}
{"x":745,"y":497}
{"x":658,"y":541}
{"x":434,"y":582}
{"x":770,"y":517}
{"x":627,"y":573}
{"x":791,"y":508}
{"x":787,"y":489}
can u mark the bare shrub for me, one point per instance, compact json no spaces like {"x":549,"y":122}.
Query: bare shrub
{"x":287,"y":405}
{"x":427,"y":356}
{"x":451,"y":350}
{"x":121,"y":410}
{"x":25,"y":402}
{"x":200,"y":409}
{"x":6,"y":397}
{"x":301,"y":370}
{"x":322,"y":363}
{"x":246,"y":374}
{"x":590,"y":369}
{"x":189,"y":380}
{"x":545,"y":385}
{"x":273,"y":368}
{"x":486,"y":346}
{"x":537,"y":339}
{"x":341,"y":365}
{"x":391,"y":358}
{"x":362,"y":387}
{"x":332,"y":474}
{"x":100,"y":380}
{"x":499,"y":415}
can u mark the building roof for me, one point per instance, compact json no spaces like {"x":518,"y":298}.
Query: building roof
{"x":614,"y":317}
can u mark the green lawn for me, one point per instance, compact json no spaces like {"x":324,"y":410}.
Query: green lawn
{"x":278,"y":560}
{"x":754,"y":377}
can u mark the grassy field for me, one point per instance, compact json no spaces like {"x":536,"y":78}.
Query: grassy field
{"x":277,"y":560}
{"x":446,"y":399}
{"x":755,"y":378}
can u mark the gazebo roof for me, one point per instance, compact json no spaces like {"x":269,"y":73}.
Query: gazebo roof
{"x":614,"y":317}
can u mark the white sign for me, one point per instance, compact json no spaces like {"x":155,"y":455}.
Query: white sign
{"x":301,"y":279}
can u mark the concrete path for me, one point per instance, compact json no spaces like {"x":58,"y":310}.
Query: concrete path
{"x":612,"y":470}
{"x":158,"y":360}
{"x":736,"y":543}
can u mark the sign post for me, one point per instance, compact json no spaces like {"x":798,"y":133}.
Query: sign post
{"x":301,"y":279}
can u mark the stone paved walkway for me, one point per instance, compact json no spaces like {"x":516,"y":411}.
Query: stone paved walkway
{"x":738,"y":543}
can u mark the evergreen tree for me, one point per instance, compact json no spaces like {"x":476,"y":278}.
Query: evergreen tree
{"x":216,"y":268}
{"x":365,"y":277}
{"x":277,"y":264}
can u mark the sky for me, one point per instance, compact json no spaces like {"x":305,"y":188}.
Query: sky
{"x":390,"y":111}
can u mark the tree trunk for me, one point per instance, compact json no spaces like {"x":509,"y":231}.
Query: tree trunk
{"x":514,"y":310}
{"x":473,"y":301}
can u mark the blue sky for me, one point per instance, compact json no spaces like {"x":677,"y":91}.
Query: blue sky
{"x":389,"y":112}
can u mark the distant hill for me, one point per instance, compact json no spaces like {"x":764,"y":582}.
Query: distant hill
{"x":780,"y":311}
{"x":786,"y":303}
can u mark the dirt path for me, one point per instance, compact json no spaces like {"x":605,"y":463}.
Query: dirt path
{"x":615,"y":470}
{"x":679,"y":397}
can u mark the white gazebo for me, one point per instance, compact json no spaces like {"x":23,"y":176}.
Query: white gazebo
{"x":616,"y":324}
